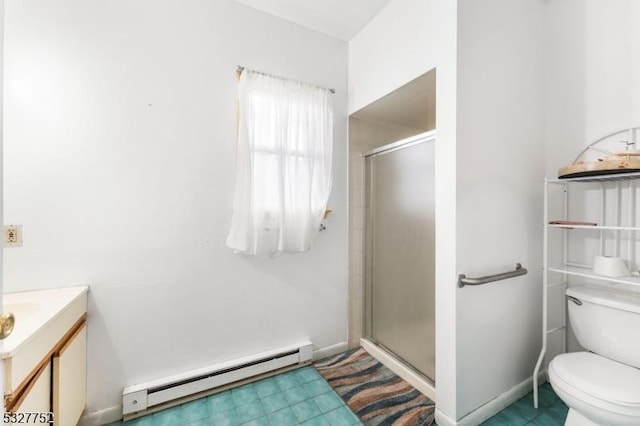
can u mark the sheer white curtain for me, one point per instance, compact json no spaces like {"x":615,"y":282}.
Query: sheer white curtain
{"x":283,"y":164}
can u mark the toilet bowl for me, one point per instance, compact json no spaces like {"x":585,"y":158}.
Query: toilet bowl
{"x":601,"y":387}
{"x":597,"y":388}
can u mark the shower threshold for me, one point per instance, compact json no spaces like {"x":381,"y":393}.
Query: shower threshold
{"x":399,"y":367}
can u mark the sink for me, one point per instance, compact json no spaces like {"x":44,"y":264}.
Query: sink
{"x":43,"y":318}
{"x":21,"y":310}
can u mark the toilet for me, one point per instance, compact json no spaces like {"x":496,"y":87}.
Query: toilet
{"x":602,"y":386}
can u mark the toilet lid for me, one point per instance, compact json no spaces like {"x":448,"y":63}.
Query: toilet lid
{"x":600,"y":377}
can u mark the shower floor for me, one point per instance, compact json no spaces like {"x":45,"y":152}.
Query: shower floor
{"x":298,"y":397}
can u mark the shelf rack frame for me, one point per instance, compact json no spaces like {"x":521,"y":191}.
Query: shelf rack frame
{"x":567,"y":268}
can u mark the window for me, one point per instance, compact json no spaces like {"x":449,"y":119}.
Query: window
{"x":283,"y":164}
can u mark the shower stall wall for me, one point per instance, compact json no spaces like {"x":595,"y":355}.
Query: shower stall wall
{"x":400,"y":251}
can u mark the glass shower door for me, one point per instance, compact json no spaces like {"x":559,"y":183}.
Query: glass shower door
{"x":400,"y":252}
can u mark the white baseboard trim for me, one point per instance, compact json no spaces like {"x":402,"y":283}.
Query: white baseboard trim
{"x":393,"y":364}
{"x":330,"y":350}
{"x":492,"y":407}
{"x":102,"y":417}
{"x":442,"y":420}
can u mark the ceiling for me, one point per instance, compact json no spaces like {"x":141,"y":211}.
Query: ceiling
{"x":412,"y":105}
{"x":337,"y":18}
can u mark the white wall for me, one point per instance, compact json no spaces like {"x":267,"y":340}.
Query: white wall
{"x":592,"y":88}
{"x":592,"y":74}
{"x":446,"y":209}
{"x":500,"y":165}
{"x":1,"y":154}
{"x":490,"y":151}
{"x":405,"y":40}
{"x":536,"y":81}
{"x":119,"y":151}
{"x":395,"y":47}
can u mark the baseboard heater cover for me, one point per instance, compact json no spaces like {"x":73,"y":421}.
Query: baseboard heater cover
{"x":144,"y":396}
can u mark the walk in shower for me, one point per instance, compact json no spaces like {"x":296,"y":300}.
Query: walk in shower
{"x":399,"y":251}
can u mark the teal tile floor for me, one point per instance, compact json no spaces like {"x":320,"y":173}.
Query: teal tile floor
{"x":551,"y":411}
{"x":298,"y":397}
{"x":303,"y":397}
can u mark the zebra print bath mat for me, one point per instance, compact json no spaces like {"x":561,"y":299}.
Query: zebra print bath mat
{"x":377,"y":395}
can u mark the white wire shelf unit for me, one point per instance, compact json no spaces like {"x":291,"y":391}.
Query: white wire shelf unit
{"x":616,"y":223}
{"x":595,"y":228}
{"x":585,"y":271}
{"x":617,"y":177}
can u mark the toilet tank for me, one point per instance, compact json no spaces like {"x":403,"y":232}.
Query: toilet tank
{"x":606,"y":322}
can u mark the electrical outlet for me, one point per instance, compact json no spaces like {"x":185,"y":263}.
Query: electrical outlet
{"x":13,"y":235}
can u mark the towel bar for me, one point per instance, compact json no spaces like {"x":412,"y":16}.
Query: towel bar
{"x":464,"y":280}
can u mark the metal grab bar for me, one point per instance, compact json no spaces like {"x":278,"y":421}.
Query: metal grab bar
{"x":464,"y":280}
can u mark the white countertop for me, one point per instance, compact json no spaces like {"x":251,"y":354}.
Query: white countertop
{"x":33,"y":310}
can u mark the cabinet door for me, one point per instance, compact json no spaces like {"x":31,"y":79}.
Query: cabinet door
{"x":37,"y":399}
{"x":70,"y":379}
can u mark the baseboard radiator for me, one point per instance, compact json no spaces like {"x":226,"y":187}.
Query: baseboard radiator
{"x":145,"y":396}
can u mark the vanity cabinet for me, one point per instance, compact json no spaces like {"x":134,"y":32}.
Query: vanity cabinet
{"x":37,"y":398}
{"x":45,"y":366}
{"x":70,"y":379}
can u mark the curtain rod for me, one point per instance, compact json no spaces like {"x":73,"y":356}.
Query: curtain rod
{"x":240,"y":68}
